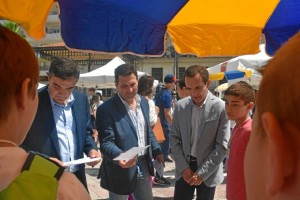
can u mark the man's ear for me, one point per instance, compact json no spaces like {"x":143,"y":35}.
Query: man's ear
{"x":279,"y":161}
{"x":250,"y":106}
{"x":208,"y":83}
{"x":22,"y":97}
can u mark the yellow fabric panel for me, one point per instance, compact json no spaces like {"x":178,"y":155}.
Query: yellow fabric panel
{"x":220,"y":27}
{"x":30,"y":14}
{"x":248,"y":73}
{"x":216,"y":77}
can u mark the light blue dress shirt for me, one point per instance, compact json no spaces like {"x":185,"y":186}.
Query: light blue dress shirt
{"x":66,"y":129}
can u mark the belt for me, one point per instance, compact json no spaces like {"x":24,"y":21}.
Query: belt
{"x":193,"y":159}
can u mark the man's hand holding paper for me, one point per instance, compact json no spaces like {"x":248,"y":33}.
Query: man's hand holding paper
{"x":94,"y":154}
{"x":128,"y":163}
{"x":131,"y":153}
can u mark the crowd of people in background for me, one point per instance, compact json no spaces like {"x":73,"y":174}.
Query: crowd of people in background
{"x":95,"y":100}
{"x":43,"y":130}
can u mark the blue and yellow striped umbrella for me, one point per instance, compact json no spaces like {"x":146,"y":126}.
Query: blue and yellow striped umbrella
{"x":199,"y":27}
{"x":230,"y":70}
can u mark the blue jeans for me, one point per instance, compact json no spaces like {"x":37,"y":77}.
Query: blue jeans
{"x":143,"y":190}
{"x":165,"y":146}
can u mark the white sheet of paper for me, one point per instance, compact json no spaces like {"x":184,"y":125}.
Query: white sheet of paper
{"x":131,"y":153}
{"x":80,"y":161}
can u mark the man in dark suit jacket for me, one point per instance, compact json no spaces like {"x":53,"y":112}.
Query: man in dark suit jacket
{"x":123,"y":123}
{"x":61,"y":128}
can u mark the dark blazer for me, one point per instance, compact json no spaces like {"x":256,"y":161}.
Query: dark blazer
{"x":117,"y":134}
{"x":42,"y":136}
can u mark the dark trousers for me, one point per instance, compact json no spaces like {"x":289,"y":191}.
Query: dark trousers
{"x":185,"y":191}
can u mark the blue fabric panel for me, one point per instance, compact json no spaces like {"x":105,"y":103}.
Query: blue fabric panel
{"x":137,"y":26}
{"x":283,"y":24}
{"x":230,"y":75}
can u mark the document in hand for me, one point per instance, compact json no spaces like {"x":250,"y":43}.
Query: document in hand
{"x":131,"y":153}
{"x":80,"y":161}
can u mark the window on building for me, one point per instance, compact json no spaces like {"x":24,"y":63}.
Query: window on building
{"x":51,"y":30}
{"x":54,"y":10}
{"x":157,"y":74}
{"x":108,"y":92}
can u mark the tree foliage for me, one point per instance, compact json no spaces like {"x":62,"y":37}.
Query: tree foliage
{"x":13,"y":27}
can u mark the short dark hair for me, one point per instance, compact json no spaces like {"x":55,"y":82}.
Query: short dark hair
{"x":145,"y":85}
{"x":100,"y":95}
{"x":95,"y":99}
{"x":64,"y":68}
{"x":197,"y":69}
{"x":92,"y":89}
{"x":181,"y":83}
{"x":243,"y":90}
{"x":125,"y":70}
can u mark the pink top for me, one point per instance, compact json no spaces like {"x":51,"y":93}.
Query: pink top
{"x":235,"y":186}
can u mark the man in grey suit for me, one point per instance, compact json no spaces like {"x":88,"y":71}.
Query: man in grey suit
{"x":199,"y":138}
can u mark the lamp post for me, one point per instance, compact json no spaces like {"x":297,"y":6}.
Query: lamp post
{"x":175,"y":55}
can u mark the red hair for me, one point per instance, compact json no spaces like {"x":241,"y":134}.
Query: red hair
{"x":17,"y":62}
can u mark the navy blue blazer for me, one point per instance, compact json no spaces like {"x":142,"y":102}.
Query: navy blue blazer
{"x":42,"y":136}
{"x":117,"y":134}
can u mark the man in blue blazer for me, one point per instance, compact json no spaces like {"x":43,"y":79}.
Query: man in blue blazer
{"x":61,"y":128}
{"x":123,"y":123}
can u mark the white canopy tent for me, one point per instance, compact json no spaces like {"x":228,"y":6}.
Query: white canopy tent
{"x":256,"y":60}
{"x":246,"y":63}
{"x":41,"y":85}
{"x":103,"y":77}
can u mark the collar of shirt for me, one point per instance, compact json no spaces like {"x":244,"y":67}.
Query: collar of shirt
{"x":137,"y":98}
{"x":203,"y":104}
{"x":239,"y":126}
{"x":70,"y":101}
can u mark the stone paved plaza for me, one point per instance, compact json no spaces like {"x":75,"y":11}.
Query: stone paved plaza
{"x":159,"y":193}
